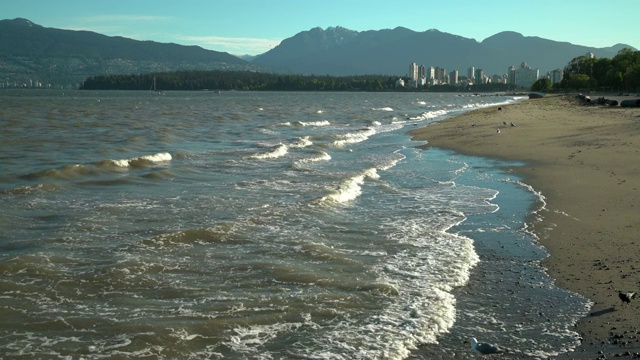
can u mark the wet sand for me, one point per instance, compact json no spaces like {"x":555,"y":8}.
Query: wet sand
{"x":585,"y":160}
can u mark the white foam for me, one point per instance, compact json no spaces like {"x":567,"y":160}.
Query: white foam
{"x":154,"y":158}
{"x":313,"y":123}
{"x":350,"y":188}
{"x":354,"y":137}
{"x":383,"y":109}
{"x":275,"y":152}
{"x":390,"y":163}
{"x":251,"y":339}
{"x":159,"y":157}
{"x":429,"y":115}
{"x":321,"y":156}
{"x":420,"y":309}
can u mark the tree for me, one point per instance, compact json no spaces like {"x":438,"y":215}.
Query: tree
{"x":578,"y":81}
{"x":543,"y":84}
{"x":621,"y":72}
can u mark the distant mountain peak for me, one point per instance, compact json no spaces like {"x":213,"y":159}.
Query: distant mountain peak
{"x":504,"y":36}
{"x":23,"y":22}
{"x":312,"y":41}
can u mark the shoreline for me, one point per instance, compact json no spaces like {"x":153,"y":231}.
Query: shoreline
{"x":585,"y":161}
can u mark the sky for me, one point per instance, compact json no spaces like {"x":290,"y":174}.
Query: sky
{"x":253,"y":27}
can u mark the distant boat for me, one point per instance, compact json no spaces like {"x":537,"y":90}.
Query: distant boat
{"x":536,"y":95}
{"x":153,"y":88}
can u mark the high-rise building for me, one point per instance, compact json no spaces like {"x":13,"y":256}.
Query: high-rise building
{"x":413,"y":74}
{"x":478,"y":77}
{"x":440,"y":74}
{"x":471,"y":73}
{"x":556,"y":76}
{"x":453,"y":77}
{"x":413,"y":71}
{"x":524,"y":76}
{"x":431,"y":73}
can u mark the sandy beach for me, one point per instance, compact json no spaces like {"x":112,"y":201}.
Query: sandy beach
{"x":585,"y":161}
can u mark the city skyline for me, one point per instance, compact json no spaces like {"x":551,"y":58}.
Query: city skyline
{"x":521,"y":76}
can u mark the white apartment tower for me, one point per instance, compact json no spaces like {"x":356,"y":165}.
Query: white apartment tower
{"x":413,"y":71}
{"x":413,"y":74}
{"x":524,"y":76}
{"x":453,"y":77}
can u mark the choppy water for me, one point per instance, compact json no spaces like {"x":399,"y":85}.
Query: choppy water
{"x":261,"y":226}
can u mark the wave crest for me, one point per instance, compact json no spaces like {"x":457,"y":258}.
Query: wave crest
{"x":274,"y":153}
{"x":140,"y":161}
{"x":350,"y":188}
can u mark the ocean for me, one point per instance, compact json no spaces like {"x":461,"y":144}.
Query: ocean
{"x":263,"y":225}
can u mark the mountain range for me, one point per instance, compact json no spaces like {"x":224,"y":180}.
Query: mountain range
{"x":340,"y":51}
{"x":32,"y":52}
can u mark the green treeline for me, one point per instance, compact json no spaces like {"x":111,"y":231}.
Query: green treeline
{"x":239,"y":80}
{"x":256,"y":81}
{"x":622,"y":73}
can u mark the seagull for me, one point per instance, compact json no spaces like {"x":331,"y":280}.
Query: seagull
{"x":484,"y":348}
{"x":498,"y":131}
{"x":473,"y":125}
{"x":626,"y":297}
{"x":504,"y":123}
{"x":512,"y":124}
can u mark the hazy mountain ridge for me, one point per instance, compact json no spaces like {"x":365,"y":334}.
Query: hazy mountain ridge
{"x":390,"y":51}
{"x":31,"y":51}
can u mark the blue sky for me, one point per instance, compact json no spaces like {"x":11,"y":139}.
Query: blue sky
{"x":255,"y":26}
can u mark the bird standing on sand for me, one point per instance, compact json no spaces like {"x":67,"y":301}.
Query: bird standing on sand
{"x":498,"y":131}
{"x":512,"y":124}
{"x":626,"y":297}
{"x":484,"y":348}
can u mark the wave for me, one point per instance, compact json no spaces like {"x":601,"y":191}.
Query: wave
{"x":274,"y":153}
{"x":350,"y":188}
{"x":139,"y":161}
{"x":383,"y":109}
{"x":390,"y":163}
{"x":220,"y":234}
{"x":65,"y":172}
{"x":82,"y":170}
{"x":301,"y":142}
{"x":354,"y":137}
{"x":321,"y":156}
{"x":483,"y":105}
{"x":430,"y":115}
{"x":312,"y":123}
